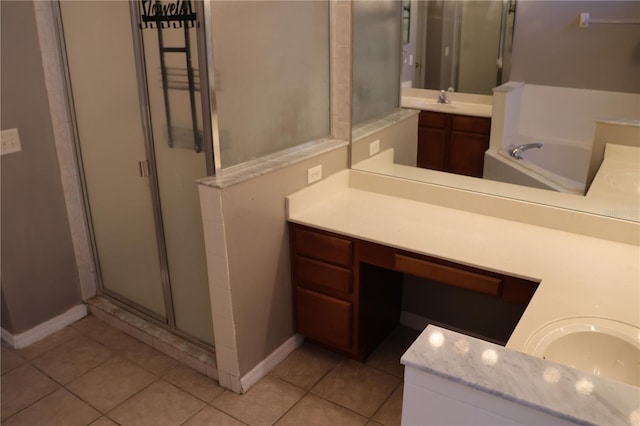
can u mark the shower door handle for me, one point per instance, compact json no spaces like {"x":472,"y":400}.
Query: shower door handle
{"x":143,"y":167}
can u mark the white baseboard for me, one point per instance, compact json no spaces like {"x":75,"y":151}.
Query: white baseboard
{"x":43,"y":330}
{"x":269,"y":363}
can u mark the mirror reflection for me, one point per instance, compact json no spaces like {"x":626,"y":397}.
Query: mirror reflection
{"x":457,"y":45}
{"x":572,"y":101}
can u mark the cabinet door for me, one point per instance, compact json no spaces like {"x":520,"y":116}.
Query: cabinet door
{"x":466,"y":153}
{"x":323,"y":318}
{"x":431,"y":148}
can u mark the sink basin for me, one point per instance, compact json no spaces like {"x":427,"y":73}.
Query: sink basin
{"x":603,"y":347}
{"x":599,"y":354}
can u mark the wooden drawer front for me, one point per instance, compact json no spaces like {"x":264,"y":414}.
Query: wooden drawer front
{"x":313,"y":274}
{"x":376,"y":254}
{"x":323,"y":318}
{"x":432,"y":119}
{"x":471,"y":124}
{"x":448,"y":275}
{"x":518,"y":290}
{"x":324,"y":247}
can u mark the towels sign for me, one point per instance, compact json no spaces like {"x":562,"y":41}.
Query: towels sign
{"x":175,"y":14}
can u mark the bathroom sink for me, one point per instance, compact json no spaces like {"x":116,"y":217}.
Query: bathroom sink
{"x":598,"y":353}
{"x":599,"y":346}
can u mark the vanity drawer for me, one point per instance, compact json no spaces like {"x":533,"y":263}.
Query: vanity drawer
{"x":323,"y":318}
{"x":323,"y":246}
{"x":448,"y":275}
{"x":518,"y":290}
{"x":471,"y":124}
{"x":432,"y":119}
{"x":322,"y":276}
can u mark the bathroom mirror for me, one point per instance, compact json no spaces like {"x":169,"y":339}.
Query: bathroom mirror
{"x":550,"y":49}
{"x":458,"y":45}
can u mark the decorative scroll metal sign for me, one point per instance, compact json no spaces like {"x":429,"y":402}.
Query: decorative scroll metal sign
{"x":175,"y":14}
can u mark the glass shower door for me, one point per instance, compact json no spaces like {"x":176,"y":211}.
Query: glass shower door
{"x":173,"y":71}
{"x":102,"y":71}
{"x":138,"y":108}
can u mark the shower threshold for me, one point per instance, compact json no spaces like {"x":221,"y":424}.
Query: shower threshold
{"x":178,"y":348}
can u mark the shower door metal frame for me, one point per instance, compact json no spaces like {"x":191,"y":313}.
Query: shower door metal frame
{"x":209,"y":134}
{"x":145,"y":113}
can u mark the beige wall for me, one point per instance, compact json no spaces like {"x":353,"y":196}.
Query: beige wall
{"x":39,"y":274}
{"x":550,"y":49}
{"x":247,"y":247}
{"x":402,"y":136}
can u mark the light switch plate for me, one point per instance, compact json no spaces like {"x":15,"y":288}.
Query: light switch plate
{"x":584,"y":20}
{"x":10,"y":141}
{"x":314,"y":174}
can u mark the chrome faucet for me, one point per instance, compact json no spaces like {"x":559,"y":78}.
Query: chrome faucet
{"x":516,"y":151}
{"x":442,"y":99}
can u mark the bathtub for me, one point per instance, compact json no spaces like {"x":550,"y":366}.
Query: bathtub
{"x":559,"y":165}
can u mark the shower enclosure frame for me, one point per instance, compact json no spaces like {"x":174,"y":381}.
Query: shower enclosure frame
{"x":209,"y":141}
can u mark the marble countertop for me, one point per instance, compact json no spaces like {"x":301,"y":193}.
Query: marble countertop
{"x":553,"y":388}
{"x":461,"y":103}
{"x":579,"y":275}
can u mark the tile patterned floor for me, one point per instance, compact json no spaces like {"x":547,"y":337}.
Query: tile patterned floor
{"x":92,"y":374}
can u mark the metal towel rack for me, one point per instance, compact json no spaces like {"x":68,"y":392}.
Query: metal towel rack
{"x":585,"y":20}
{"x":615,"y":21}
{"x":177,"y":15}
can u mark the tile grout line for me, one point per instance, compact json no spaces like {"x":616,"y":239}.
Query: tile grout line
{"x":385,"y":401}
{"x":310,"y":392}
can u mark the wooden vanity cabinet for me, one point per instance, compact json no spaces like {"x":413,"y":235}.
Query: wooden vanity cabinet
{"x":452,"y":143}
{"x":330,"y":305}
{"x":323,"y":292}
{"x":347,"y":293}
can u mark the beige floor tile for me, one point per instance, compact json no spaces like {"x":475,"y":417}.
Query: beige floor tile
{"x":103,"y":333}
{"x":87,"y":324}
{"x":72,"y":359}
{"x":390,"y":414}
{"x":10,"y":360}
{"x":263,"y":404}
{"x":111,"y":383}
{"x":48,"y":343}
{"x":197,"y":384}
{"x":104,"y":421}
{"x":159,"y":404}
{"x":209,"y":416}
{"x":387,"y":355}
{"x":306,"y":365}
{"x":61,"y":408}
{"x":312,"y":410}
{"x":357,"y":387}
{"x":22,"y":387}
{"x":147,"y":357}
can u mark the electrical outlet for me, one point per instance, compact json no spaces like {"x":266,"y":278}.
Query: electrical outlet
{"x":314,"y":174}
{"x":10,"y":141}
{"x":374,"y":147}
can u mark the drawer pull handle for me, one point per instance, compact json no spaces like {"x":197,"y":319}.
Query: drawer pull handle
{"x":448,"y":275}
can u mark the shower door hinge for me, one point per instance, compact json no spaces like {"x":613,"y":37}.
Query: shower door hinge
{"x":144,"y":168}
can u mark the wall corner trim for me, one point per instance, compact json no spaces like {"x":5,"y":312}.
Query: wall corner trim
{"x":270,"y":362}
{"x":45,"y":329}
